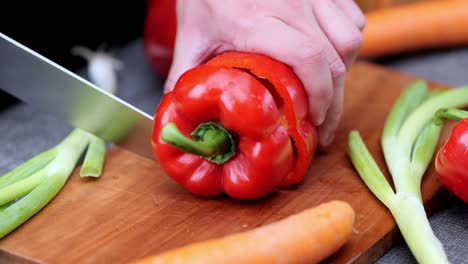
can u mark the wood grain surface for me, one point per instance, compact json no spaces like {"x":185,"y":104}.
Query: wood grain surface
{"x":134,"y":210}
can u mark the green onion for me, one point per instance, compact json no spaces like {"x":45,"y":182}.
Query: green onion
{"x":37,"y":181}
{"x":423,"y":151}
{"x":4,"y":206}
{"x":409,"y":140}
{"x":454,"y":98}
{"x":449,"y":113}
{"x":22,"y":187}
{"x":28,"y":188}
{"x":368,"y":169}
{"x":27,"y":168}
{"x":94,"y":159}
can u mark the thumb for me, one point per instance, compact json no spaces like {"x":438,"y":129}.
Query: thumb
{"x":189,"y":52}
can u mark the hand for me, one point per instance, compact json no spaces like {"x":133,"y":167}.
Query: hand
{"x":319,"y":39}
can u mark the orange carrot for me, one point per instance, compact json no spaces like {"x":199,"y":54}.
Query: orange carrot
{"x":415,"y":26}
{"x":306,"y":237}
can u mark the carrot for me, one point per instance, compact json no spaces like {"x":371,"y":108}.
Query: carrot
{"x":415,"y":26}
{"x":309,"y":236}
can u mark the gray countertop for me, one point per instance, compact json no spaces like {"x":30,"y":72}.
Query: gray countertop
{"x":27,"y":131}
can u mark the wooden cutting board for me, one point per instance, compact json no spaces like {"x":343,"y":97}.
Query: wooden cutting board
{"x":135,"y":210}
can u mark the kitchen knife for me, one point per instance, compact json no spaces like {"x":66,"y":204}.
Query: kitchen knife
{"x":51,"y":88}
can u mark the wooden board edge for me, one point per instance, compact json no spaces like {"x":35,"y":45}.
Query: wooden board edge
{"x":12,"y":258}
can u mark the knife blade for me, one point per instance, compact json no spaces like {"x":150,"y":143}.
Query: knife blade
{"x":51,"y":88}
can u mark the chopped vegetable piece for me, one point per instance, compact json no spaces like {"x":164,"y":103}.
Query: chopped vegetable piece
{"x":94,"y":159}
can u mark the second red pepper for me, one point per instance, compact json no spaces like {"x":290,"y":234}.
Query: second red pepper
{"x":451,"y":162}
{"x":238,"y":125}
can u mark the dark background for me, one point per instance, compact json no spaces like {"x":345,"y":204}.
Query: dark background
{"x":52,"y":28}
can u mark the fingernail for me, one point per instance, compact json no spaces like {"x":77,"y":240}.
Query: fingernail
{"x":321,"y":116}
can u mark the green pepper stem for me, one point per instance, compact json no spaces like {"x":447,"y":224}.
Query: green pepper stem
{"x":214,"y":142}
{"x":449,"y":113}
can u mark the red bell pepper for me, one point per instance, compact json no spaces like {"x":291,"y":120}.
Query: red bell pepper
{"x":451,"y":162}
{"x":292,"y":100}
{"x":159,"y":35}
{"x":227,"y":127}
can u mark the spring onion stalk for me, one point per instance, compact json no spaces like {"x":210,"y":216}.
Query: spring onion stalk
{"x":38,"y":189}
{"x":455,"y":98}
{"x":409,"y":141}
{"x":27,"y":168}
{"x":20,"y":188}
{"x":451,"y":114}
{"x":425,"y":145}
{"x":423,"y":151}
{"x":4,"y":206}
{"x":28,"y":188}
{"x":94,"y":159}
{"x":368,"y":169}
